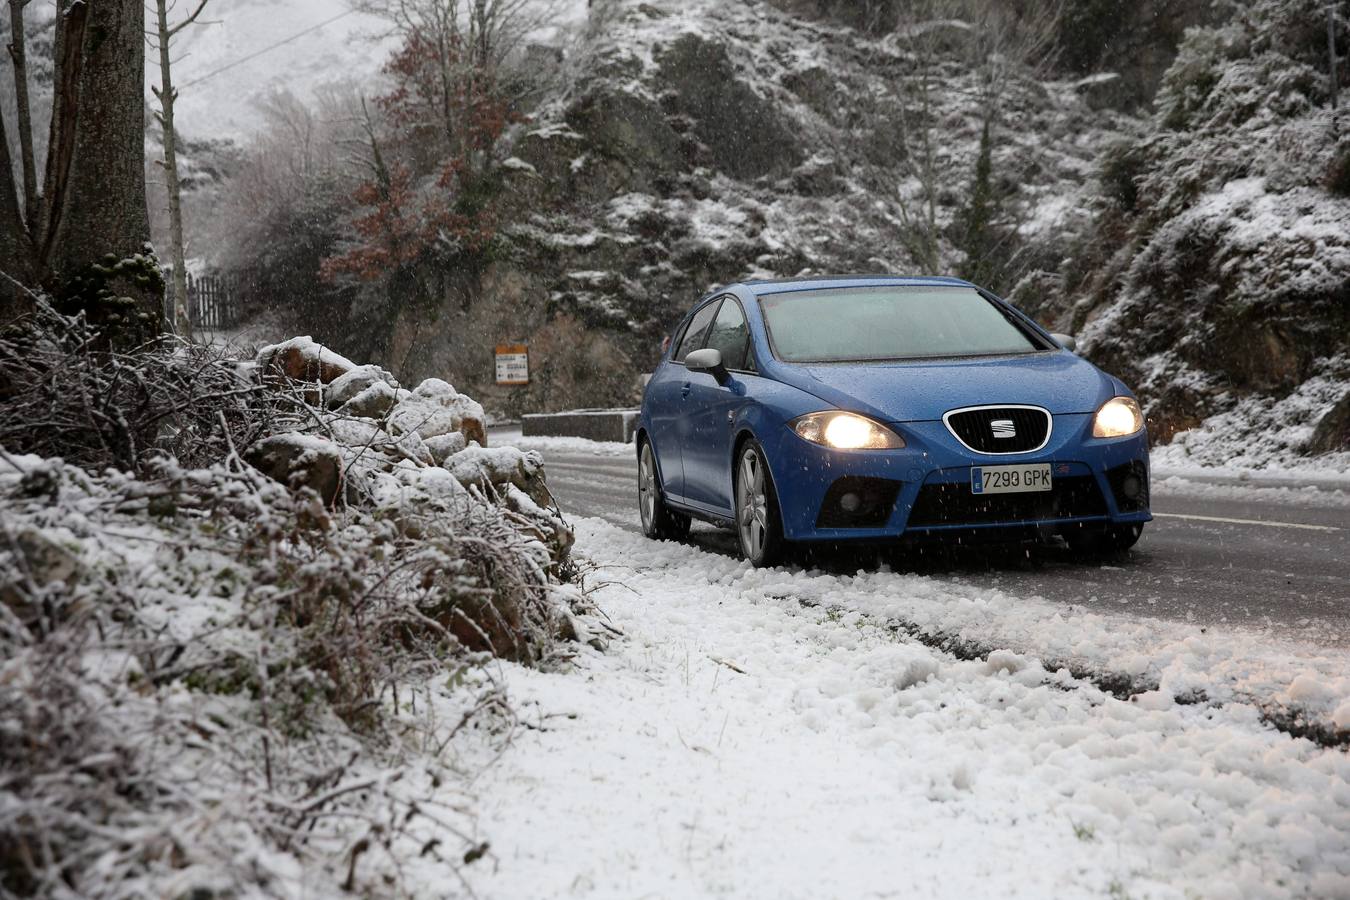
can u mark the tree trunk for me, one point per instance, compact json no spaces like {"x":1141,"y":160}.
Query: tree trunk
{"x":182,"y":322}
{"x":16,"y":250}
{"x":97,"y":246}
{"x":18,"y":53}
{"x":16,"y":244}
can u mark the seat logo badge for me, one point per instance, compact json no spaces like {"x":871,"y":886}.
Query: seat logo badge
{"x":1003,"y":428}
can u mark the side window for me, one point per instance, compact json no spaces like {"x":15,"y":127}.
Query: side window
{"x":729,"y":334}
{"x":693,"y":335}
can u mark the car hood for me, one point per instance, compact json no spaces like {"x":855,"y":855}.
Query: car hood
{"x":923,"y":390}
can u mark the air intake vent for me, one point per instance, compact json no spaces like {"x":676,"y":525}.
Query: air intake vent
{"x":1000,"y":429}
{"x":1073,"y":497}
{"x":858,"y":502}
{"x":1129,"y":484}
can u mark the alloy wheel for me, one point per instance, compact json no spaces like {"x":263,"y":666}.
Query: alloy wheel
{"x":647,"y":488}
{"x":752,"y":505}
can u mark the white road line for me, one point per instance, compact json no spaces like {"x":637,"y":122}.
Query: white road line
{"x":1158,"y":515}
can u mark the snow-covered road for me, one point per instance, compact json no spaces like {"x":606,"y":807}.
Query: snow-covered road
{"x":1271,"y":559}
{"x":845,"y":732}
{"x":766,"y":734}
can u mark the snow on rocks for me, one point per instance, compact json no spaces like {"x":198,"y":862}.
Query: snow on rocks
{"x":444,"y":446}
{"x":501,"y":465}
{"x":760,"y":735}
{"x":301,"y":359}
{"x":372,"y":402}
{"x":351,"y":383}
{"x":300,"y":461}
{"x":382,"y":444}
{"x":467,"y":411}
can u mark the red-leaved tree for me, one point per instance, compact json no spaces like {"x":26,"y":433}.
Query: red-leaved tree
{"x":432,"y":147}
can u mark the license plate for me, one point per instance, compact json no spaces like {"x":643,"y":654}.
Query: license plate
{"x":1010,"y":479}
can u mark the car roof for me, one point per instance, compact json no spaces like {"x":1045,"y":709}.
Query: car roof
{"x":819,"y":282}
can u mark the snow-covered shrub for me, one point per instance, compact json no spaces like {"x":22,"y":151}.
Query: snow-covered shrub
{"x":98,"y":408}
{"x":1119,"y":167}
{"x":216,"y":680}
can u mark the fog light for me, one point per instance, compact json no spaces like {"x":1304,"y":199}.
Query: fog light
{"x":850,"y":502}
{"x":1131,"y":487}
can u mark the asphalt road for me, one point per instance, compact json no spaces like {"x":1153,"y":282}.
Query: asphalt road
{"x":1259,"y":561}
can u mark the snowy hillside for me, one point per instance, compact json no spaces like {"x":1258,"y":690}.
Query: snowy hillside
{"x":695,"y":143}
{"x":666,"y":147}
{"x":1216,"y":275}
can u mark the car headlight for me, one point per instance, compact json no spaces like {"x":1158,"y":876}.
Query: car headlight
{"x":846,"y":431}
{"x":1118,"y":417}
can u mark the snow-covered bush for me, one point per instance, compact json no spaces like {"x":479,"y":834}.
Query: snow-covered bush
{"x":221,"y":678}
{"x":60,"y":396}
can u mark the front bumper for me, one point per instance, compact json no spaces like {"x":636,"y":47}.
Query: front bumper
{"x":924,"y":489}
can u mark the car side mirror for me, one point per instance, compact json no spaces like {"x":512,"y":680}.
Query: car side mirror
{"x":1066,"y":341}
{"x":708,"y":360}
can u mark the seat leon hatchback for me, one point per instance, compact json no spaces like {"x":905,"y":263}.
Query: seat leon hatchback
{"x":880,"y":408}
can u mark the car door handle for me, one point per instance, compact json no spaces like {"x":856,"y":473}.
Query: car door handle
{"x":684,"y":391}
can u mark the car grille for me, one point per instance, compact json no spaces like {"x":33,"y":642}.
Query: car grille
{"x":1000,"y":429}
{"x":953,"y":504}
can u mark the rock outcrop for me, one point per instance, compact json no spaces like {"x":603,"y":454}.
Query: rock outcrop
{"x":1332,"y":433}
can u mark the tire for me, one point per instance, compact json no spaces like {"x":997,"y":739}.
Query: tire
{"x":1111,"y":540}
{"x":759,"y":522}
{"x":659,"y":521}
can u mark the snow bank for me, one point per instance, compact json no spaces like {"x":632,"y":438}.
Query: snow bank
{"x":512,"y":436}
{"x":1290,"y":490}
{"x":1265,"y":436}
{"x":759,"y":734}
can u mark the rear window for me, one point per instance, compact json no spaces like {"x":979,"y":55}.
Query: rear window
{"x":888,"y":323}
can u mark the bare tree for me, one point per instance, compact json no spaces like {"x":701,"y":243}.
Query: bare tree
{"x":86,"y":236}
{"x":19,"y":214}
{"x":969,"y":51}
{"x":1005,"y":46}
{"x":918,"y":209}
{"x":167,"y":95}
{"x":466,"y":45}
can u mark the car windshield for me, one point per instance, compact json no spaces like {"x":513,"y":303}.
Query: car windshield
{"x":886,"y":323}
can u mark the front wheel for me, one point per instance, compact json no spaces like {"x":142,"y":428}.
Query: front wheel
{"x":759,"y":524}
{"x":659,"y":521}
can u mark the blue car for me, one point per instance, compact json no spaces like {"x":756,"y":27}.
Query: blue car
{"x":880,"y":408}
